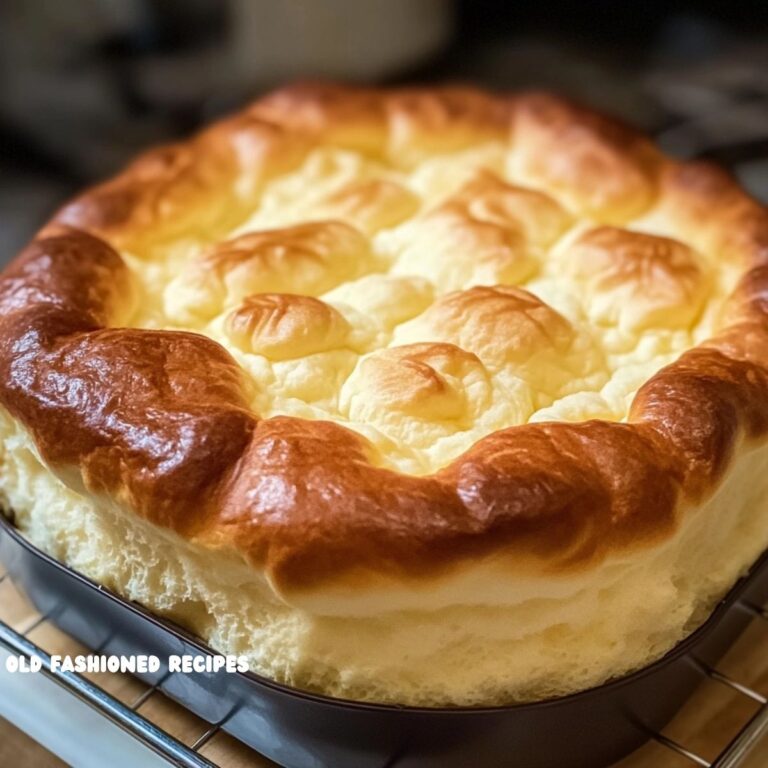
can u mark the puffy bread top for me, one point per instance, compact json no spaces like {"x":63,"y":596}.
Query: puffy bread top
{"x":365,"y":336}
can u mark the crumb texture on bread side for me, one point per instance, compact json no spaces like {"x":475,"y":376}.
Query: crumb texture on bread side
{"x":504,"y":643}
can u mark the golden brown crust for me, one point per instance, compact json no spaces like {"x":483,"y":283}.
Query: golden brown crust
{"x":160,"y":420}
{"x":636,"y":280}
{"x":167,"y":191}
{"x":281,"y":326}
{"x":307,"y":258}
{"x":604,"y":169}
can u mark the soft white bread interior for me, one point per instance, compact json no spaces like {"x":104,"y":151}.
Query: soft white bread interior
{"x":474,"y":639}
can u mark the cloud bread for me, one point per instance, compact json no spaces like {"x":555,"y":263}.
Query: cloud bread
{"x":425,"y":396}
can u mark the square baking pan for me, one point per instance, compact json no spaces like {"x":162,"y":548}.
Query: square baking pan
{"x":297,"y":729}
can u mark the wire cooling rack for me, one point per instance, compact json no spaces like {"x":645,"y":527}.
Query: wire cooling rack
{"x":724,"y":724}
{"x":171,"y":732}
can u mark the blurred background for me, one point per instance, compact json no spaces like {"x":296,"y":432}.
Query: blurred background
{"x":85,"y":84}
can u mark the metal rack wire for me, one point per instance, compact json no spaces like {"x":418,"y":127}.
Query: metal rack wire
{"x":736,"y":752}
{"x":128,"y":717}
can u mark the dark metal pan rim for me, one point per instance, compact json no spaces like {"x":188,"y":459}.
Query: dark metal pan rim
{"x":681,"y":649}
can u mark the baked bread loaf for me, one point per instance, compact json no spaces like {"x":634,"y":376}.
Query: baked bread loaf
{"x":425,"y":396}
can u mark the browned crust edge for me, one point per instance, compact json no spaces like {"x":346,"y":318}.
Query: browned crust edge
{"x":159,"y":419}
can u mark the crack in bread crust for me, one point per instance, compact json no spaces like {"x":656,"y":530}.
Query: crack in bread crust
{"x":161,"y":420}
